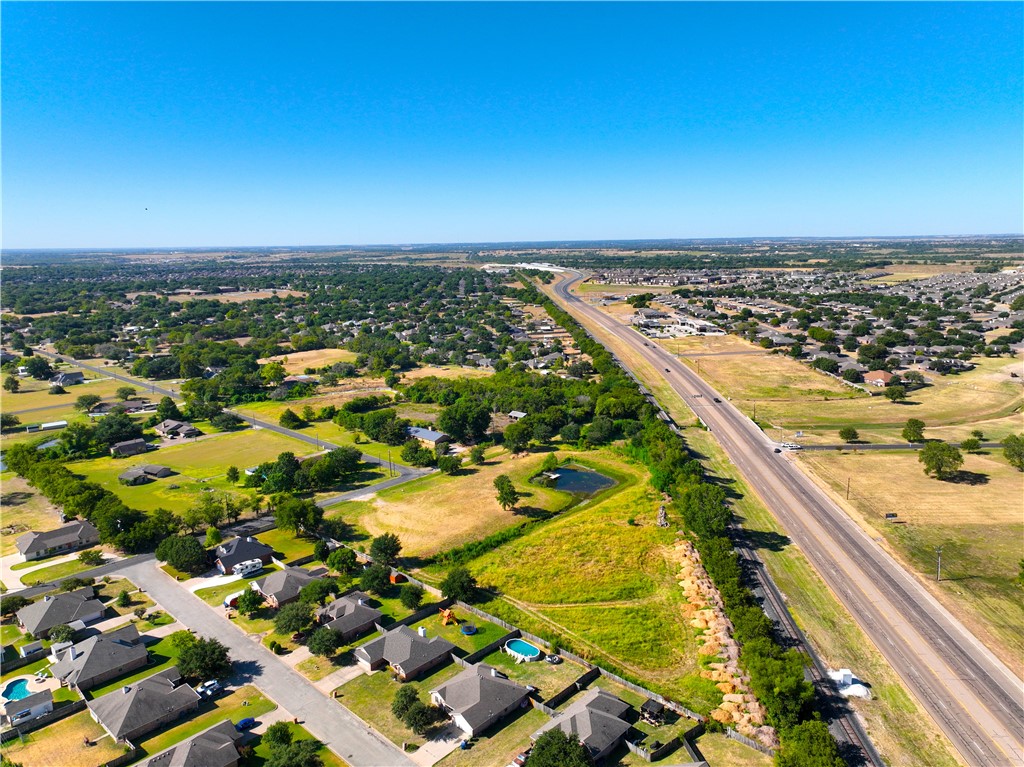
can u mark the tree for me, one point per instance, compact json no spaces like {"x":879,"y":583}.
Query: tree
{"x":167,"y":409}
{"x":8,"y":421}
{"x":465,"y":420}
{"x":405,"y":697}
{"x":459,"y":584}
{"x":913,"y":430}
{"x":91,"y":557}
{"x":293,"y":617}
{"x":1013,"y":451}
{"x":376,"y":578}
{"x":278,"y":734}
{"x":324,"y":642}
{"x":971,"y":445}
{"x":385,"y":549}
{"x":808,"y":744}
{"x":321,"y":550}
{"x":557,"y":749}
{"x":317,"y":591}
{"x":507,"y":496}
{"x":12,"y":384}
{"x":250,"y":601}
{"x":38,"y":368}
{"x":184,"y":553}
{"x":895,"y":393}
{"x":75,"y":439}
{"x":550,"y":462}
{"x":232,"y":475}
{"x":517,"y":437}
{"x":213,"y":537}
{"x":61,"y":633}
{"x":124,"y":599}
{"x":297,"y":514}
{"x":940,"y":459}
{"x":301,"y":753}
{"x":273,"y":373}
{"x":411,"y":596}
{"x":204,"y":659}
{"x":477,"y":454}
{"x":848,"y":434}
{"x":117,"y":427}
{"x":449,"y":464}
{"x":290,"y":420}
{"x":421,"y":717}
{"x":10,"y":604}
{"x":705,"y":511}
{"x":126,"y":392}
{"x":342,"y":560}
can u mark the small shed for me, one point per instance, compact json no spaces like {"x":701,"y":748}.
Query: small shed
{"x":652,"y":711}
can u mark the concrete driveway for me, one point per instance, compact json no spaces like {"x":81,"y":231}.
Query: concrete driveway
{"x":343,"y":732}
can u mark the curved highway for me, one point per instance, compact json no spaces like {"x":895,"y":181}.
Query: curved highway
{"x":972,"y":696}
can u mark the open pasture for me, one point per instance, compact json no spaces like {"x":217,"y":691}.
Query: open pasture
{"x":297,"y":362}
{"x":22,"y":508}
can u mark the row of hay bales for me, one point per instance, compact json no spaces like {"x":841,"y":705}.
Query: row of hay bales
{"x":706,"y":613}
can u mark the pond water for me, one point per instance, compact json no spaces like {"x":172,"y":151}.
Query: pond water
{"x":581,"y":481}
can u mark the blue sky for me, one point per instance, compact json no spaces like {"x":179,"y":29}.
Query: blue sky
{"x":304,"y":124}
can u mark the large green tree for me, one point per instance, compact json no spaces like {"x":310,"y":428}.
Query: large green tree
{"x":117,"y":427}
{"x":913,"y":430}
{"x":940,"y":459}
{"x":507,"y":496}
{"x":204,"y":659}
{"x":558,"y":749}
{"x":459,"y":584}
{"x":808,"y":744}
{"x":1013,"y":451}
{"x":705,"y":511}
{"x":385,"y":549}
{"x":184,"y":553}
{"x":466,"y":420}
{"x":293,"y":617}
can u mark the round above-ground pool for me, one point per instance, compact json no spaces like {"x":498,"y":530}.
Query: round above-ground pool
{"x":16,"y":689}
{"x":522,"y":650}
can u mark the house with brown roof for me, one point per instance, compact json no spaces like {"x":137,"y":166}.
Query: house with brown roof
{"x":878,"y":377}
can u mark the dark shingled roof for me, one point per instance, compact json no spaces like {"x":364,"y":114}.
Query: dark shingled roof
{"x":285,"y":584}
{"x":347,"y":614}
{"x":213,"y":748}
{"x":135,"y":706}
{"x":404,"y":649}
{"x":99,"y":654}
{"x":43,"y":615}
{"x":479,"y":695}
{"x":73,"y":533}
{"x":241,"y":550}
{"x":596,"y":719}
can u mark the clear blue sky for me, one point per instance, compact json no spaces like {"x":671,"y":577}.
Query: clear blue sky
{"x":303,"y":124}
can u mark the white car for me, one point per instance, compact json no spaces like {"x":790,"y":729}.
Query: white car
{"x":791,"y":446}
{"x":208,"y":688}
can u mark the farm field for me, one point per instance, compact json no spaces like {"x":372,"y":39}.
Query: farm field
{"x":296,"y":362}
{"x":23,"y":509}
{"x":200,"y":466}
{"x":978,"y":522}
{"x":439,"y":512}
{"x":61,"y":743}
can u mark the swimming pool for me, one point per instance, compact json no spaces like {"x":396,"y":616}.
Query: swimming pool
{"x":16,"y":690}
{"x":522,"y":650}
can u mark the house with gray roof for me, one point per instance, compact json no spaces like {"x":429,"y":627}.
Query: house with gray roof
{"x":70,"y":537}
{"x":139,"y":475}
{"x":129,"y":447}
{"x":141,"y":707}
{"x":408,"y":652}
{"x":28,"y":708}
{"x":80,"y":605}
{"x":229,"y":554}
{"x":283,"y":586}
{"x":349,"y":615}
{"x":598,"y":719}
{"x":479,"y":697}
{"x":100,"y":658}
{"x":172,"y":429}
{"x":215,"y":747}
{"x":427,"y":437}
{"x":67,"y":379}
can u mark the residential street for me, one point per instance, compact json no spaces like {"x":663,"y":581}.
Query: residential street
{"x":344,"y":733}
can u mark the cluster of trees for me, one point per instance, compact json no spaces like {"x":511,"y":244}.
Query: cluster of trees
{"x":199,"y":657}
{"x":288,"y":474}
{"x":286,"y":751}
{"x":418,"y":716}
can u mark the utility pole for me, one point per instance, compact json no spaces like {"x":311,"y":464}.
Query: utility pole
{"x":847,"y":488}
{"x":390,"y":468}
{"x":938,"y":564}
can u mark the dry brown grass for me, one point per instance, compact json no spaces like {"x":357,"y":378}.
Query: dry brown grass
{"x":22,"y":508}
{"x":718,"y":749}
{"x":296,"y":362}
{"x":61,"y":744}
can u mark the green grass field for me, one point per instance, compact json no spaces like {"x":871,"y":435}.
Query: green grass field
{"x":215,"y":594}
{"x":36,"y":394}
{"x":56,"y":572}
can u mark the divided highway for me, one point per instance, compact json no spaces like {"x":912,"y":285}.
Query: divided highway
{"x":972,"y":696}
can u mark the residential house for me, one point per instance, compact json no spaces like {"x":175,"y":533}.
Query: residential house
{"x":129,"y":447}
{"x":479,"y":697}
{"x":229,"y":554}
{"x":283,"y":586}
{"x":349,"y":615}
{"x":28,"y":708}
{"x":878,"y":377}
{"x":598,"y":719}
{"x":215,"y":747}
{"x":141,"y":707}
{"x":67,"y":379}
{"x":428,"y":437}
{"x":67,"y":607}
{"x":171,"y":429}
{"x":140,"y":475}
{"x":129,"y":406}
{"x":70,"y":537}
{"x":100,"y":658}
{"x":407,"y":652}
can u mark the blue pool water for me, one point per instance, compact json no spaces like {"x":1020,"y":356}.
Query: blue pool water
{"x":523,"y":648}
{"x":16,"y":690}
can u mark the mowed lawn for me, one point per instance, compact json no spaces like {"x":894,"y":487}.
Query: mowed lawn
{"x":199,"y":465}
{"x":439,"y":512}
{"x":979,"y":522}
{"x":62,"y":744}
{"x":34,"y":394}
{"x":24,"y":509}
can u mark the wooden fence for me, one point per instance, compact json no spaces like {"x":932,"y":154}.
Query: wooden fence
{"x":58,"y":713}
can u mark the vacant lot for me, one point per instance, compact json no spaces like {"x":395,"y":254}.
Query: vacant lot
{"x":979,"y":523}
{"x":61,"y":744}
{"x":297,"y":362}
{"x":438,"y":512}
{"x":24,"y":509}
{"x":36,"y":394}
{"x":200,"y":467}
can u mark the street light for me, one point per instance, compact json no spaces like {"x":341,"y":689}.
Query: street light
{"x":938,"y":564}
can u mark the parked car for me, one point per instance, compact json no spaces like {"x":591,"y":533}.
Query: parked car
{"x":246,"y":724}
{"x":208,"y":688}
{"x":717,"y":400}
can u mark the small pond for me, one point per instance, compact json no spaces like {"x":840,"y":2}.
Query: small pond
{"x":579,"y":481}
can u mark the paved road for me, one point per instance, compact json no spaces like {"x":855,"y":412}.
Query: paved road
{"x":405,"y":472}
{"x":972,"y":696}
{"x":328,"y":721}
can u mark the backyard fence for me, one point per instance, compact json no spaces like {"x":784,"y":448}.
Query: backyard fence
{"x":19,"y":662}
{"x":127,"y":757}
{"x":733,"y":735}
{"x":573,"y":687}
{"x":58,"y":713}
{"x":416,"y":617}
{"x":483,"y":652}
{"x":653,"y":755}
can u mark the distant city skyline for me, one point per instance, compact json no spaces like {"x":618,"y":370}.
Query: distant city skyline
{"x":178,"y":125}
